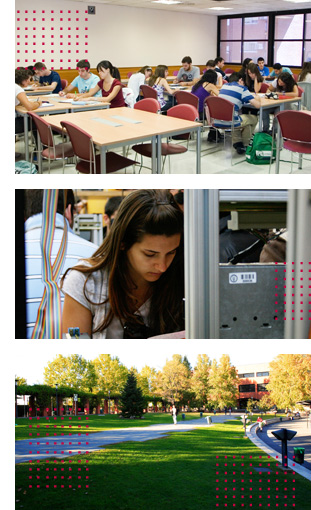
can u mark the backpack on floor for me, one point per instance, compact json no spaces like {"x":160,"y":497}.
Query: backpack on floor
{"x":259,"y":150}
{"x":24,"y":167}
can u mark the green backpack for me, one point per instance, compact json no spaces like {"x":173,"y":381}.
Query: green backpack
{"x":259,"y":150}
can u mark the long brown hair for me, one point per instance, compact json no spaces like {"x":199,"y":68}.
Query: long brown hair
{"x":254,"y":70}
{"x":159,"y":72}
{"x":142,"y":212}
{"x":306,"y":69}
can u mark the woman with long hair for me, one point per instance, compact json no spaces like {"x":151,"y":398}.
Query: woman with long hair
{"x":109,"y":84}
{"x":132,"y":287}
{"x":159,"y":82}
{"x":205,"y":87}
{"x":243,"y":70}
{"x":253,"y":79}
{"x":305,"y":74}
{"x":138,"y":79}
{"x":283,"y":84}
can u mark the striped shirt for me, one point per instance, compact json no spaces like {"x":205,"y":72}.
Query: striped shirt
{"x":238,"y":95}
{"x":77,"y":248}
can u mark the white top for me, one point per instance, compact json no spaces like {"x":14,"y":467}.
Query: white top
{"x":97,"y":292}
{"x":307,"y":78}
{"x":134,"y":83}
{"x":18,"y":90}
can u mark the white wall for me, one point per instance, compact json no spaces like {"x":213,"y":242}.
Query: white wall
{"x":126,"y":36}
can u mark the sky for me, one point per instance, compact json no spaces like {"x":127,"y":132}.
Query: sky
{"x":29,"y":362}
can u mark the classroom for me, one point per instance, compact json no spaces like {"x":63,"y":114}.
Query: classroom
{"x":132,"y":35}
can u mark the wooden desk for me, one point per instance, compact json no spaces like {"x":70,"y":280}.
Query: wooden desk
{"x":119,"y":127}
{"x":38,"y":92}
{"x":59,"y":107}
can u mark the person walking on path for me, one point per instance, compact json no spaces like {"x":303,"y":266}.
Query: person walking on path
{"x":174,"y":414}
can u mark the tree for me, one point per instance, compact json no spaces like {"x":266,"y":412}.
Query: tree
{"x":73,"y":371}
{"x":290,"y":379}
{"x":131,"y":402}
{"x":147,"y":380}
{"x":110,"y":373}
{"x":200,"y":379}
{"x":173,"y":382}
{"x":223,"y":382}
{"x":20,"y":380}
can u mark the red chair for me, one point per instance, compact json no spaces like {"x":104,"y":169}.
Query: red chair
{"x":229,"y":70}
{"x":129,"y":74}
{"x":295,"y":129}
{"x":64,"y":84}
{"x":50,"y":151}
{"x":300,"y":91}
{"x":184,"y":97}
{"x":148,"y":105}
{"x":175,"y":73}
{"x":148,"y":91}
{"x":182,"y":111}
{"x":264,"y":87}
{"x":295,"y":76}
{"x":220,"y":109}
{"x":84,"y":149}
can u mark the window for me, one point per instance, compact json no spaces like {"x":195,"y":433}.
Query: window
{"x":244,"y":376}
{"x":262,"y":374}
{"x":262,"y":387}
{"x":247,"y":388}
{"x":284,"y":38}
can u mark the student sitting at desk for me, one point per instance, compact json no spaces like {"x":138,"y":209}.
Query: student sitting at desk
{"x":138,"y":79}
{"x":110,"y":87}
{"x":305,"y":74}
{"x":205,"y":87}
{"x":22,"y":80}
{"x":84,"y":82}
{"x":210,"y":65}
{"x":278,"y":69}
{"x":48,"y":79}
{"x":187,"y":74}
{"x":253,"y":78}
{"x":132,"y":287}
{"x":158,"y":82}
{"x":283,"y":84}
{"x":264,"y":71}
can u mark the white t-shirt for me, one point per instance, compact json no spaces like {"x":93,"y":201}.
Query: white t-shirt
{"x":97,"y":292}
{"x":18,"y":90}
{"x":134,"y":83}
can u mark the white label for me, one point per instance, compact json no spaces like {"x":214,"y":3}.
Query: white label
{"x":235,"y":278}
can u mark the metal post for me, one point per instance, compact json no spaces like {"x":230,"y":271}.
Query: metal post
{"x":56,"y":386}
{"x":16,"y":414}
{"x":108,"y":401}
{"x":202,"y":263}
{"x":298,"y":285}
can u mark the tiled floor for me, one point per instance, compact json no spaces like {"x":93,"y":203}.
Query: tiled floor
{"x":215,"y":159}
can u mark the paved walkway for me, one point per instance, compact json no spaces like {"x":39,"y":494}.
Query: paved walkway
{"x":67,"y":446}
{"x":268,"y":443}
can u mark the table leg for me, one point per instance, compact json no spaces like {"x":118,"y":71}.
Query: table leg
{"x":39,"y":153}
{"x":159,"y":153}
{"x":26,"y":139}
{"x":260,"y":119}
{"x":103,"y":169}
{"x":154,"y":155}
{"x":198,"y":166}
{"x":278,"y":150}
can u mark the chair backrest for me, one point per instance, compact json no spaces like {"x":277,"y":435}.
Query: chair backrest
{"x":44,"y":129}
{"x":306,"y":98}
{"x":229,"y":70}
{"x":148,"y":105}
{"x":184,"y":97}
{"x":175,"y":73}
{"x":300,"y":91}
{"x":264,"y":87}
{"x":220,"y":108}
{"x":295,"y":125}
{"x":64,"y":83}
{"x":129,"y":74}
{"x":295,"y":76}
{"x":81,"y":141}
{"x":184,"y":111}
{"x":149,"y":91}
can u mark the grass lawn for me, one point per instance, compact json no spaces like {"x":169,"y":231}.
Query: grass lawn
{"x":73,"y":424}
{"x":203,"y":469}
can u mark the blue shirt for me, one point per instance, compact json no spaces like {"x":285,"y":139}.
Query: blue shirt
{"x":238,"y":95}
{"x":48,"y":80}
{"x":77,"y":248}
{"x":283,"y":70}
{"x":265,"y":71}
{"x":86,"y":85}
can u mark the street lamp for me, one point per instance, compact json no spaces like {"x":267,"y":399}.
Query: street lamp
{"x":56,"y":386}
{"x":109,"y":402}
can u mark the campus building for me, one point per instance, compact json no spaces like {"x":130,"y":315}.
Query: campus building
{"x":253,"y":380}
